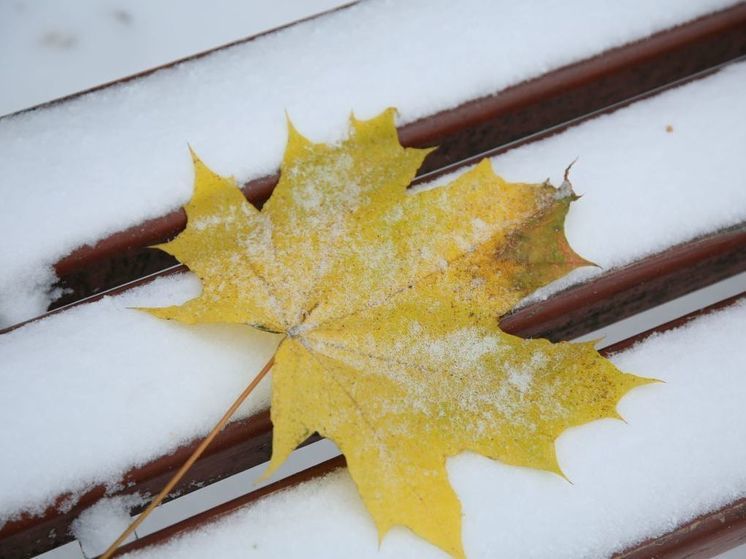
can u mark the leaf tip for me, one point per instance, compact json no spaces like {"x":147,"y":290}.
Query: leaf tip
{"x":389,"y":114}
{"x":595,"y":342}
{"x":192,"y":153}
{"x":552,"y":465}
{"x":382,"y":125}
{"x":267,"y":473}
{"x":642,"y":381}
{"x":296,"y":140}
{"x":162,"y":246}
{"x":614,"y":414}
{"x":157,"y":312}
{"x":199,"y":166}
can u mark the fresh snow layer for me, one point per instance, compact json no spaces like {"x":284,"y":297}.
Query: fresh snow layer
{"x":91,"y":392}
{"x":658,"y":173}
{"x":79,"y":171}
{"x":101,"y":524}
{"x":680,"y":454}
{"x":49,"y":48}
{"x":72,"y":378}
{"x":650,"y":175}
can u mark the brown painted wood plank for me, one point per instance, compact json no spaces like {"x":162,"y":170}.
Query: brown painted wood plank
{"x":634,"y":288}
{"x":704,"y":537}
{"x":258,"y":191}
{"x":701,"y":538}
{"x":570,"y":313}
{"x":615,"y":295}
{"x":626,"y":71}
{"x":464,"y":131}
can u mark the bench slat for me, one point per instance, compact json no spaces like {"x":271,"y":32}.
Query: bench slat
{"x":575,"y":311}
{"x":467,"y":130}
{"x":703,"y":537}
{"x":568,"y":314}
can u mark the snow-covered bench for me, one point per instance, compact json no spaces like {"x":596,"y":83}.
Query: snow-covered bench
{"x":202,"y":372}
{"x":669,"y":483}
{"x":121,"y":411}
{"x":109,"y":169}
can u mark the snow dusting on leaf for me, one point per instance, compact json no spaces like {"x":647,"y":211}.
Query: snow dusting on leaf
{"x":389,"y":301}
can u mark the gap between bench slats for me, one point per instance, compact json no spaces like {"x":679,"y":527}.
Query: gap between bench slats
{"x":469,"y":129}
{"x":258,"y":191}
{"x":568,"y":314}
{"x":580,"y":309}
{"x":701,"y":538}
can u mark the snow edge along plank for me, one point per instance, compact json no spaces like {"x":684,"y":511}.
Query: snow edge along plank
{"x":711,"y":258}
{"x":190,"y":58}
{"x":258,"y":191}
{"x":464,"y":131}
{"x":579,"y":309}
{"x":570,"y":313}
{"x":701,"y":538}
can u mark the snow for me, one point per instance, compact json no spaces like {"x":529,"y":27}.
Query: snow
{"x":94,"y":361}
{"x":71,"y":382}
{"x":680,"y":454}
{"x":50,"y":48}
{"x":101,"y":524}
{"x":644,"y":188}
{"x":79,"y":171}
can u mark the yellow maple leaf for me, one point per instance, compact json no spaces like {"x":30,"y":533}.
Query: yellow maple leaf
{"x":389,"y":300}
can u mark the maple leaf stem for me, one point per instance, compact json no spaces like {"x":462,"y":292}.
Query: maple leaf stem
{"x":190,"y":461}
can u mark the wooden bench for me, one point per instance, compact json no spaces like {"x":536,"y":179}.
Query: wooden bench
{"x":523,"y":114}
{"x":537,"y":107}
{"x":704,"y":536}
